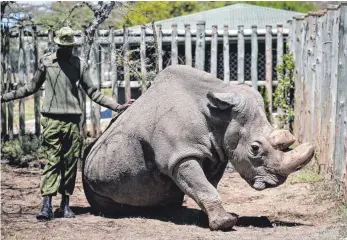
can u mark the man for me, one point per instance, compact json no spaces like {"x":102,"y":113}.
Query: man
{"x":62,"y":72}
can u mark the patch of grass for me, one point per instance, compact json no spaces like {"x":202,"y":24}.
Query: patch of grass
{"x":28,"y":107}
{"x":107,"y":91}
{"x":342,"y":211}
{"x":305,"y":175}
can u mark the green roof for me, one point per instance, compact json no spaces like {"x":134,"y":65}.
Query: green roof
{"x":234,"y":15}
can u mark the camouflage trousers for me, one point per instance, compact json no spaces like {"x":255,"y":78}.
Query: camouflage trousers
{"x":61,"y":142}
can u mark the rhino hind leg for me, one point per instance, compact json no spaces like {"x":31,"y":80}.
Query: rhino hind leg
{"x":106,"y":206}
{"x":98,"y":204}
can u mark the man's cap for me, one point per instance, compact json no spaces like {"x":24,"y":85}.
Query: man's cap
{"x":65,"y":37}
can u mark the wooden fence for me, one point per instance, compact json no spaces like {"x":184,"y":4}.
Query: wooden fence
{"x":319,"y":45}
{"x":194,"y":43}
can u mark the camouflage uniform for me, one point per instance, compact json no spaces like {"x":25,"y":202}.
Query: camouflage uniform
{"x":61,"y":111}
{"x":62,"y":73}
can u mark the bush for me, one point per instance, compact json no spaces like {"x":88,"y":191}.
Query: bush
{"x":22,"y":150}
{"x":284,"y":94}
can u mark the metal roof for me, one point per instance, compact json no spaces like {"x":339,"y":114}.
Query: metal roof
{"x":234,"y":15}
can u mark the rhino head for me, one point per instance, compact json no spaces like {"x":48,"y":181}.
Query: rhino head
{"x":259,"y":153}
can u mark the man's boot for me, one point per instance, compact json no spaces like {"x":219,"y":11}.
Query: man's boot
{"x":46,"y":212}
{"x":64,"y":207}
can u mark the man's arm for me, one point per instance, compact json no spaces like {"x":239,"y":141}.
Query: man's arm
{"x":28,"y":89}
{"x":96,"y":95}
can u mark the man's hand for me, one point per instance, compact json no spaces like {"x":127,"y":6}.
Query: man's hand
{"x":124,"y":106}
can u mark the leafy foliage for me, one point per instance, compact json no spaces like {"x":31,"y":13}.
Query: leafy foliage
{"x":22,"y":150}
{"x":295,"y":6}
{"x":264,"y":94}
{"x":145,"y":12}
{"x":284,"y":93}
{"x":59,"y":15}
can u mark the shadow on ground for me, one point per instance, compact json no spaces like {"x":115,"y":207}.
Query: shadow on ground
{"x":189,"y":216}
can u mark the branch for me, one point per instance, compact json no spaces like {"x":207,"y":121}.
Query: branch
{"x":3,"y":6}
{"x":91,"y":7}
{"x":100,"y":14}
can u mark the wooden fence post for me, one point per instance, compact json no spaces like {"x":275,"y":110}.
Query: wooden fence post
{"x":143,"y":58}
{"x":214,"y":50}
{"x":113,"y":65}
{"x":21,"y":71}
{"x":188,"y":45}
{"x":323,"y":93}
{"x":240,"y":54}
{"x":334,"y":86}
{"x":316,"y":124}
{"x":95,"y":108}
{"x":280,"y":48}
{"x":11,"y":103}
{"x":174,"y":47}
{"x":200,"y":46}
{"x":126,"y":64}
{"x":50,"y":39}
{"x":311,"y":75}
{"x":305,"y":29}
{"x":27,"y":50}
{"x":8,"y":70}
{"x":83,"y":95}
{"x":279,"y":62}
{"x":226,"y":54}
{"x":341,"y":106}
{"x":297,"y":45}
{"x":160,"y":47}
{"x":269,"y":64}
{"x":38,"y":93}
{"x":326,"y":95}
{"x":254,"y":64}
{"x":102,"y":63}
{"x":4,"y":36}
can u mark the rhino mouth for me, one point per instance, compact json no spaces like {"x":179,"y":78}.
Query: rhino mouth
{"x":266,"y":182}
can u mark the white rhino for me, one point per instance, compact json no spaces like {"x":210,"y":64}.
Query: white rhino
{"x":177,"y":138}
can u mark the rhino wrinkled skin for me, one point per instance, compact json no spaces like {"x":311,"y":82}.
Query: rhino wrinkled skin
{"x":177,"y":138}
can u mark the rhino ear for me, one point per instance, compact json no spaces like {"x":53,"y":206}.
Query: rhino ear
{"x":224,"y":101}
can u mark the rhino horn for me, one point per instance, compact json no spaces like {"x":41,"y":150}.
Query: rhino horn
{"x":281,"y":139}
{"x":294,"y":160}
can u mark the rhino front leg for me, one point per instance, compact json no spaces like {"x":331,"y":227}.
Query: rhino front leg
{"x":191,"y":179}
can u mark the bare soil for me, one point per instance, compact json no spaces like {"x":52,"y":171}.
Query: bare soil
{"x":291,"y":211}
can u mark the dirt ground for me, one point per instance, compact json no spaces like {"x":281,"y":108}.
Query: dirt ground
{"x":291,"y":211}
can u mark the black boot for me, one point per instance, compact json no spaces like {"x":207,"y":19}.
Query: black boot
{"x":46,"y":212}
{"x":64,"y":207}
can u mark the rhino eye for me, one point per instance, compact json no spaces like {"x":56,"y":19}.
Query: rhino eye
{"x":255,"y":148}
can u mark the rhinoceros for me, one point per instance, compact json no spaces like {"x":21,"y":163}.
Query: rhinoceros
{"x":177,"y":139}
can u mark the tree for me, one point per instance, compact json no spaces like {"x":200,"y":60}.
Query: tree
{"x":303,"y":7}
{"x":62,"y":13}
{"x":145,"y":12}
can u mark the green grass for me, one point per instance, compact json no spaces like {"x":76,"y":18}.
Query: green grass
{"x":29,"y":110}
{"x":107,"y":91}
{"x":306,"y":175}
{"x":343,"y":212}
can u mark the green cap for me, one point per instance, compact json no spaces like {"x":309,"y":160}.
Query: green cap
{"x":65,"y":37}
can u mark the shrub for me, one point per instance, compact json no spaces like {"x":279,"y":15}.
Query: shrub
{"x":20,"y":151}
